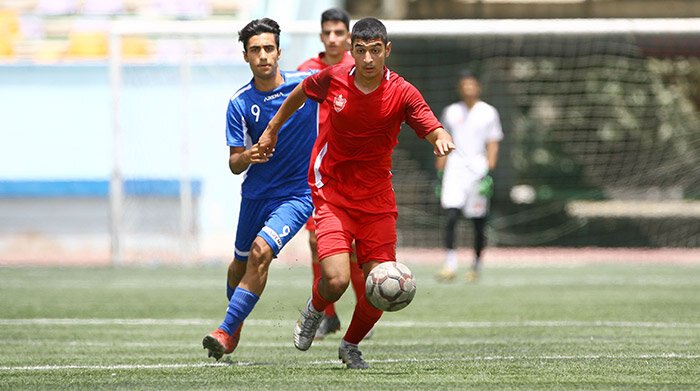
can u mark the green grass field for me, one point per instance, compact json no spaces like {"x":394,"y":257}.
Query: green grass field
{"x":541,"y":327}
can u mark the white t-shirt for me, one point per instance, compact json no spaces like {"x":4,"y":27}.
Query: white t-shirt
{"x":471,"y":130}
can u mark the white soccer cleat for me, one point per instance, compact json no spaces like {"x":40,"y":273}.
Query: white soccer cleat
{"x":351,"y":356}
{"x":445,"y":274}
{"x":305,"y":329}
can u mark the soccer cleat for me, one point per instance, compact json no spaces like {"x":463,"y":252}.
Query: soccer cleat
{"x":329,"y":325}
{"x":219,"y":342}
{"x":472,"y":276}
{"x":445,"y":274}
{"x":351,"y":356}
{"x":306,"y":326}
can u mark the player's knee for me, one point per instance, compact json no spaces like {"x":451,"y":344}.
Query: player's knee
{"x":337,"y":284}
{"x":453,"y":215}
{"x":260,"y":255}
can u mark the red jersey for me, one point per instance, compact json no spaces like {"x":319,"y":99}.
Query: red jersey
{"x":355,"y":156}
{"x":318,"y":64}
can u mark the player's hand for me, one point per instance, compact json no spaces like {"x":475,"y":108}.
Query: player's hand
{"x":266,"y":143}
{"x":486,"y":186}
{"x":256,"y":157}
{"x":443,"y":147}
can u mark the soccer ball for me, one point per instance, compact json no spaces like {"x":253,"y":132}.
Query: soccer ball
{"x":390,"y":286}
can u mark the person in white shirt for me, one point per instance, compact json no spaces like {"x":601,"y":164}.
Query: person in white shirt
{"x":467,"y":185}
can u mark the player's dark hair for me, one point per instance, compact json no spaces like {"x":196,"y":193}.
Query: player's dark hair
{"x":466,"y":74}
{"x":367,"y":29}
{"x":257,"y":27}
{"x":336,"y":15}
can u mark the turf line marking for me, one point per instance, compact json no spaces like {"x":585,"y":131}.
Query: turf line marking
{"x":396,"y":324}
{"x":330,"y":362}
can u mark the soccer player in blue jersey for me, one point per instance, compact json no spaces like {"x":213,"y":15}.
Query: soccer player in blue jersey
{"x":275,"y":196}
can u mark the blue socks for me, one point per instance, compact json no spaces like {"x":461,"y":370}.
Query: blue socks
{"x":239,"y":307}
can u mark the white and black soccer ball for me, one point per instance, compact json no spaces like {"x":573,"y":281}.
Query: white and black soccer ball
{"x":390,"y":286}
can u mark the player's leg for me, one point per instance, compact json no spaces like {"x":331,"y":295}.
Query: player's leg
{"x":325,"y":291}
{"x":357,"y":277}
{"x":452,"y":200}
{"x":479,"y":240}
{"x":476,"y":210}
{"x":236,"y":270}
{"x":334,"y":234}
{"x":250,"y":220}
{"x":225,"y":338}
{"x":284,"y":218}
{"x":451,"y":264}
{"x":375,"y":243}
{"x":331,"y":322}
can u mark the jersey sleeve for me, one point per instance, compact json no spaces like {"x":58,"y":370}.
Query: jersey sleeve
{"x":316,"y":86}
{"x":418,"y":113}
{"x":305,"y":66}
{"x":235,"y":125}
{"x":495,"y":132}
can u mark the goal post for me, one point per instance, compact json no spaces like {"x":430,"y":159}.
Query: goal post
{"x":593,"y":110}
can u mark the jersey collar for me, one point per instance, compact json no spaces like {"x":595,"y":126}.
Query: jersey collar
{"x":387,"y":72}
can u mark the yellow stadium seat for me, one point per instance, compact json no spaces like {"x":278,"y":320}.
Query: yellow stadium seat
{"x":6,"y":47}
{"x":9,"y":22}
{"x":87,"y":44}
{"x":9,"y":32}
{"x":49,"y":51}
{"x":136,"y":47}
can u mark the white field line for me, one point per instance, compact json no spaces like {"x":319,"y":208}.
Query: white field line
{"x":539,"y":281}
{"x":326,"y":342}
{"x":673,"y":356}
{"x":395,"y":324}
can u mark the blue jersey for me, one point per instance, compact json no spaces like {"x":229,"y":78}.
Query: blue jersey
{"x":249,"y":112}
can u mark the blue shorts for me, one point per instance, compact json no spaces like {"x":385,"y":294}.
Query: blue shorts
{"x":276,"y":220}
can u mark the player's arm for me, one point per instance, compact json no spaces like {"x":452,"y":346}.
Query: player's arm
{"x":492,"y":154}
{"x":422,"y":120}
{"x":441,"y":141}
{"x":292,"y":103}
{"x":496,"y":135}
{"x":440,"y":162}
{"x":240,"y":159}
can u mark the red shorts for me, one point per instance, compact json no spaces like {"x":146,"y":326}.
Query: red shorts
{"x":371,"y":223}
{"x":310,"y":224}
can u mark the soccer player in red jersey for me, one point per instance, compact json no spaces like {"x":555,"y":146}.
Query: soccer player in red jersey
{"x":351,"y":177}
{"x":335,"y":36}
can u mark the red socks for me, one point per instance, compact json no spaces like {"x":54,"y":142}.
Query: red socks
{"x":363,"y":319}
{"x":317,"y":300}
{"x":357,"y":279}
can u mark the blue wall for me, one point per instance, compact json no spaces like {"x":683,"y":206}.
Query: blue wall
{"x":55,"y":122}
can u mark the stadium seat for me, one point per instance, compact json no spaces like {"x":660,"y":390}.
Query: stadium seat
{"x":49,"y":51}
{"x":87,"y":44}
{"x":136,"y":47}
{"x":9,"y":32}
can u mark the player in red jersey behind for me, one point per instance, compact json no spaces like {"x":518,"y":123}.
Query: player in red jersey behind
{"x":335,"y":36}
{"x":351,"y":176}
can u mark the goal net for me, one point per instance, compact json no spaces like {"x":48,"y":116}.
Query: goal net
{"x":601,"y":121}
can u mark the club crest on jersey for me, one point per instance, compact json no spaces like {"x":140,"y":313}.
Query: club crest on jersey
{"x":339,"y":103}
